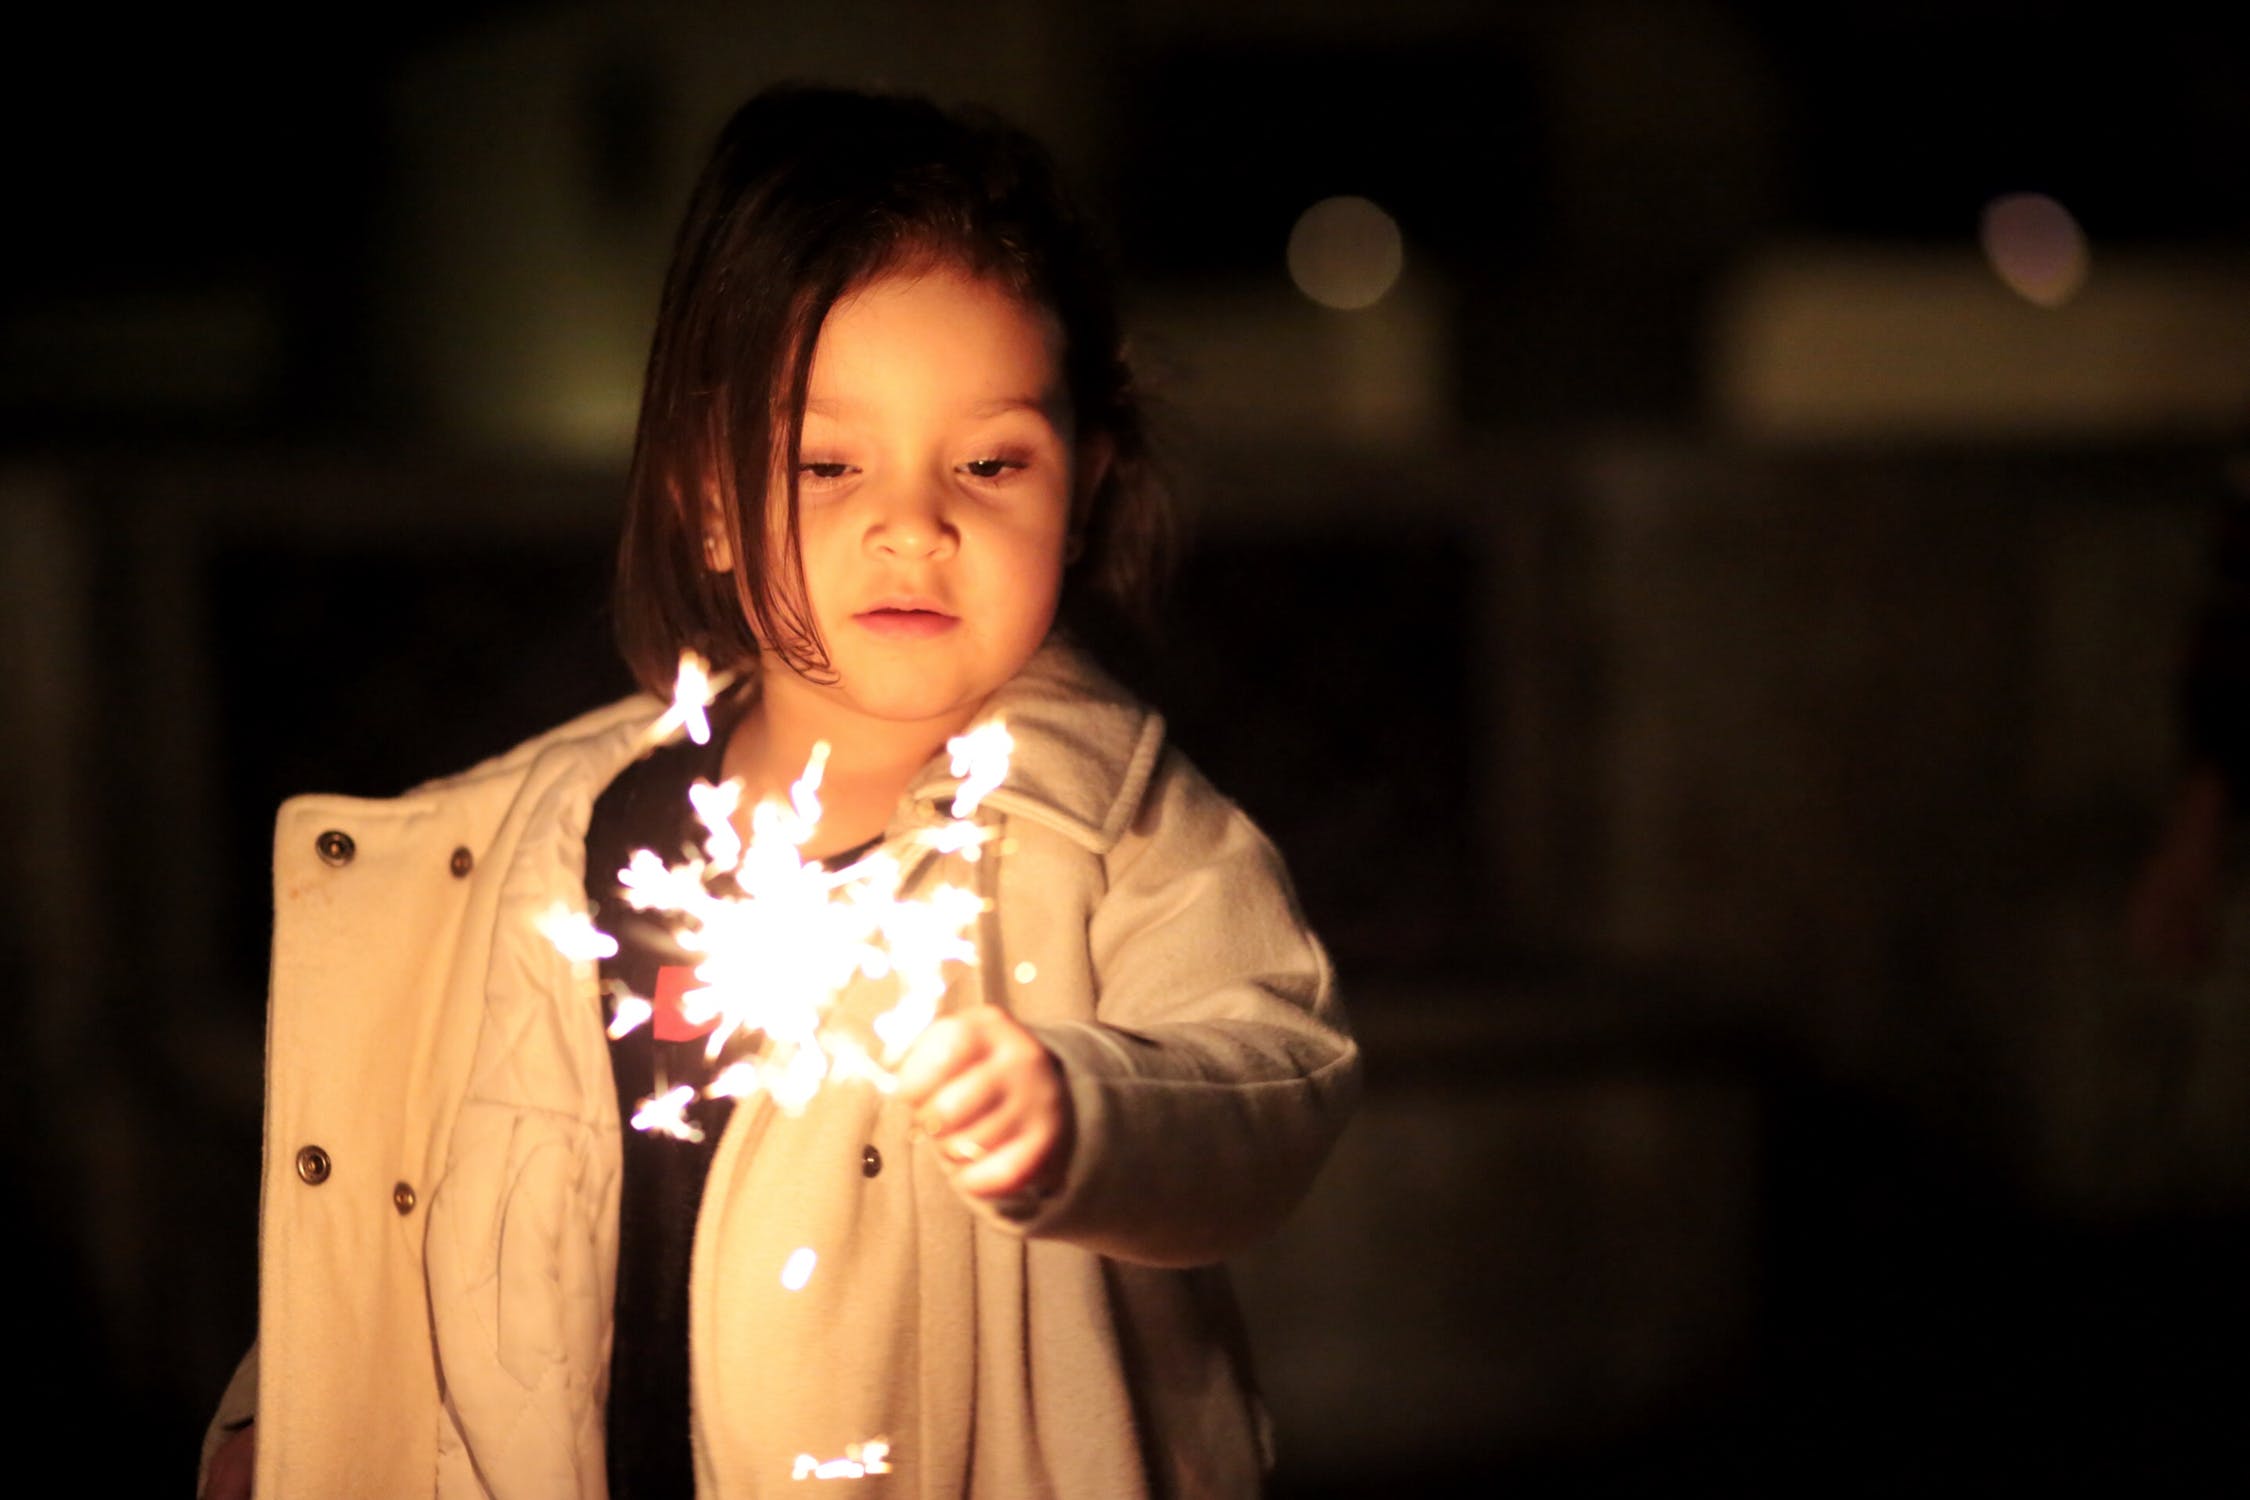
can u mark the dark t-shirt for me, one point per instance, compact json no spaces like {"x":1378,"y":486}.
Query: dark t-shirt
{"x":647,"y":807}
{"x":650,"y":1449}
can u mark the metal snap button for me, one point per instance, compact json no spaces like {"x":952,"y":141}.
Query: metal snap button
{"x":870,"y":1161}
{"x":402,"y":1197}
{"x":313,"y":1166}
{"x":463,"y":861}
{"x":335,"y":847}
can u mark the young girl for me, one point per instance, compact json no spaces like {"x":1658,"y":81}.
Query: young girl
{"x":886,"y":434}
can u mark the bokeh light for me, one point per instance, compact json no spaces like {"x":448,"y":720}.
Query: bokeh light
{"x":2035,"y":246}
{"x":1345,"y":253}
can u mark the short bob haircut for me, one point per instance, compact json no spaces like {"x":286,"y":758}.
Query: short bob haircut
{"x":811,"y":194}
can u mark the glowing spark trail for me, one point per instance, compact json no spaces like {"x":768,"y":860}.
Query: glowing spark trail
{"x":693,"y":691}
{"x":775,"y":957}
{"x":859,"y":1461}
{"x":574,"y":934}
{"x":668,"y":1113}
{"x":980,"y":758}
{"x":631,"y":1011}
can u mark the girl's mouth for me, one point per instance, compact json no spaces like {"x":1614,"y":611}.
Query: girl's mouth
{"x":903,"y":622}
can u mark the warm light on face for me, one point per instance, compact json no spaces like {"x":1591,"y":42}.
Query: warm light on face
{"x":934,"y":485}
{"x":2035,"y":247}
{"x":1345,"y":253}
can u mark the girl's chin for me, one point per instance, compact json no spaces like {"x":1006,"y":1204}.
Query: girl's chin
{"x":912,"y":688}
{"x":911,"y":701}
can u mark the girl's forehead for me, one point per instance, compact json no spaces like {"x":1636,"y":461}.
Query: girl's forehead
{"x":935,"y":333}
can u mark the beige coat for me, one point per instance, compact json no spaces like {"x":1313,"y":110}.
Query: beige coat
{"x":439,"y":1229}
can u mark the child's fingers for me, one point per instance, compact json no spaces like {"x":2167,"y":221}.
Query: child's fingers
{"x":963,"y":1100}
{"x":1012,"y":1112}
{"x":943,"y":1050}
{"x":992,"y":1101}
{"x":1008,"y":1171}
{"x":1023,"y":1143}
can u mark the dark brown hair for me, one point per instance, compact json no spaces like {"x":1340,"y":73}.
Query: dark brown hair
{"x":810,"y":194}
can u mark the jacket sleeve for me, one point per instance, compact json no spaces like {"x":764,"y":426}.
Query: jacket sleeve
{"x":1218,"y":1069}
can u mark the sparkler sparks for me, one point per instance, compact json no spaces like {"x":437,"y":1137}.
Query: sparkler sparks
{"x":775,"y":958}
{"x":798,"y":1269}
{"x":693,"y":691}
{"x":574,"y":934}
{"x":629,"y":1011}
{"x":859,"y":1461}
{"x":980,"y":758}
{"x":668,"y":1113}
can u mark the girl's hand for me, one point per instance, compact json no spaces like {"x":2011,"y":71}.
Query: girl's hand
{"x":993,"y":1102}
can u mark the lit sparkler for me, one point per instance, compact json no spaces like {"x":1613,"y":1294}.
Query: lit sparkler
{"x":775,"y":957}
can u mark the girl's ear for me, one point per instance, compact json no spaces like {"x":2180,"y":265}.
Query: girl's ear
{"x":718,"y":552}
{"x":718,"y":547}
{"x":711,"y":526}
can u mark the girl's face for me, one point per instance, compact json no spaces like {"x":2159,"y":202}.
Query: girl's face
{"x":934,"y":496}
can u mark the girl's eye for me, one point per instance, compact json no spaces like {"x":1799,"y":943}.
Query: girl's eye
{"x":991,"y":468}
{"x":824,"y":471}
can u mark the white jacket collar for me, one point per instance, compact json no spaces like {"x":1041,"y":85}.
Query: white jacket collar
{"x":1084,"y":750}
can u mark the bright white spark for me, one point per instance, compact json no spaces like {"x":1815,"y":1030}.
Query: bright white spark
{"x":859,"y":1461}
{"x":693,"y":691}
{"x":574,"y":934}
{"x":775,"y":957}
{"x":631,"y":1011}
{"x":798,"y":1269}
{"x":804,"y":799}
{"x":980,"y":758}
{"x":957,"y":837}
{"x":667,"y":1113}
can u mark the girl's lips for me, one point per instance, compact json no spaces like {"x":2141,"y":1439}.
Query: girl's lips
{"x":906,"y":624}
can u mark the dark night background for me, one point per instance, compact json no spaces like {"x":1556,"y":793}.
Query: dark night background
{"x":1708,"y":648}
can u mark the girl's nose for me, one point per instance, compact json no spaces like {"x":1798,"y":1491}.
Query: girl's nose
{"x":912,"y":525}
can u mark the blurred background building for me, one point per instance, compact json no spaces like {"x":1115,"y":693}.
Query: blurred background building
{"x":1701,"y":506}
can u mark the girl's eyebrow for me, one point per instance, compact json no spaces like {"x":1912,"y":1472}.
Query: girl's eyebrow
{"x":1038,"y":406}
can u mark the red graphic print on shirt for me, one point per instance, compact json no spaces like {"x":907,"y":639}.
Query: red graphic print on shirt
{"x":673,"y":981}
